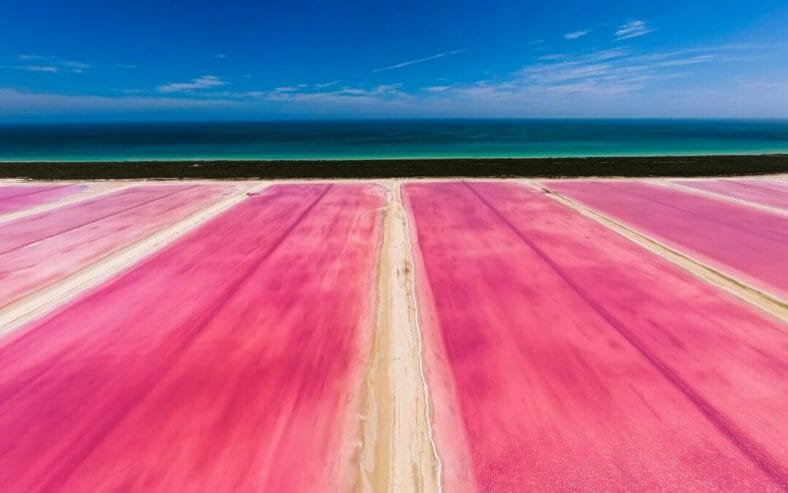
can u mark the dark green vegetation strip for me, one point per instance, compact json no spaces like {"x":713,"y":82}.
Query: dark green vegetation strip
{"x":395,"y":168}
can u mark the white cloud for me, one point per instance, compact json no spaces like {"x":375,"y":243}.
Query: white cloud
{"x":681,"y":62}
{"x":419,"y":60}
{"x":295,"y":88}
{"x":234,"y":95}
{"x":593,"y":81}
{"x":75,"y":65}
{"x":328,"y":84}
{"x":387,"y":89}
{"x":52,"y":65}
{"x":596,"y":56}
{"x":614,"y":82}
{"x":633,"y":29}
{"x":345,"y":94}
{"x":38,"y":68}
{"x":576,"y":34}
{"x":15,"y":102}
{"x":613,"y":68}
{"x":204,"y":82}
{"x":127,"y":66}
{"x":32,"y":68}
{"x":30,"y":58}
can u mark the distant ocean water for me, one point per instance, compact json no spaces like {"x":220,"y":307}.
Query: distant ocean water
{"x":389,"y":139}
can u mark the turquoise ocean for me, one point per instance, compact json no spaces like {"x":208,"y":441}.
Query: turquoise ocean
{"x":388,"y":139}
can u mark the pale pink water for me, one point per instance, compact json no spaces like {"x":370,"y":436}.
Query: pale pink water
{"x":40,"y":249}
{"x":743,"y":242}
{"x":757,"y":192}
{"x":17,"y":198}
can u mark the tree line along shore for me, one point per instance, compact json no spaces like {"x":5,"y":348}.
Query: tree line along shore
{"x":679,"y":166}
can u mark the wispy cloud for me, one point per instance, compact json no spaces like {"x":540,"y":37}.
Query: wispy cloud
{"x":612,"y":70}
{"x":621,"y":82}
{"x":204,"y":82}
{"x":39,"y":68}
{"x":587,"y":76}
{"x":48,"y":64}
{"x":327,"y":84}
{"x":345,"y":94}
{"x":220,"y":56}
{"x":576,"y":34}
{"x":436,"y":88}
{"x":556,"y":82}
{"x":75,"y":65}
{"x":626,"y":80}
{"x":633,"y":29}
{"x":294,"y":88}
{"x":596,"y":56}
{"x":32,"y":68}
{"x":15,"y":102}
{"x":419,"y":60}
{"x":126,"y":66}
{"x":30,"y":58}
{"x":234,"y":95}
{"x":314,"y":93}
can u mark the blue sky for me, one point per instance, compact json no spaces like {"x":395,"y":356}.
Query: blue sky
{"x":197,"y":59}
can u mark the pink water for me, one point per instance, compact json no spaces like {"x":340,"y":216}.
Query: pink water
{"x":758,"y":192}
{"x":743,"y":242}
{"x":43,"y":248}
{"x":231,"y":360}
{"x":16,"y":198}
{"x":560,"y":356}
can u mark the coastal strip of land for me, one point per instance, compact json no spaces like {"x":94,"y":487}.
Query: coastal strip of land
{"x":675,"y":166}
